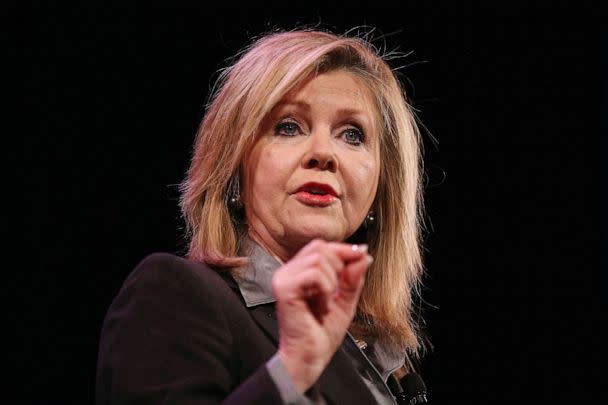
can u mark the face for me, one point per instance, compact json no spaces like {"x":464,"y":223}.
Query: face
{"x":313,"y":172}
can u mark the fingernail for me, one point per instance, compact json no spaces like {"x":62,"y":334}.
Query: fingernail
{"x":370,"y":259}
{"x":360,"y":248}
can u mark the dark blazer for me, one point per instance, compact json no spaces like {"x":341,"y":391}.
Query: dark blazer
{"x":178,"y":332}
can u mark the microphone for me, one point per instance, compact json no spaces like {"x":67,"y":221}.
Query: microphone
{"x":413,"y":390}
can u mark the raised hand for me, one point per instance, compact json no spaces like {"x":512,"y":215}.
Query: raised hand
{"x":317,"y":293}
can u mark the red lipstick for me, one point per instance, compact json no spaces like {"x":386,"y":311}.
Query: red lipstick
{"x":316,"y":194}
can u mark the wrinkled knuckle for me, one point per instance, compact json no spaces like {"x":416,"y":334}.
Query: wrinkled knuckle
{"x":316,"y":258}
{"x":278,"y":282}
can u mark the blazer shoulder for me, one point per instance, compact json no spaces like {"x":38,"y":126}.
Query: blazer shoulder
{"x":176,"y":331}
{"x":175,"y":272}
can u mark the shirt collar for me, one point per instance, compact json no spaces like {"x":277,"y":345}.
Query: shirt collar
{"x":255,"y":279}
{"x":255,"y":283}
{"x":385,"y":359}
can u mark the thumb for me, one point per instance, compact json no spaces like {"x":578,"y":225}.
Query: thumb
{"x":351,"y":280}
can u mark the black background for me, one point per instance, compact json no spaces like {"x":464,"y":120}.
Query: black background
{"x":111,"y":97}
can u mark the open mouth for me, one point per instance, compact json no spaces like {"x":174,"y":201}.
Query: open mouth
{"x":317,"y":189}
{"x":316,"y":194}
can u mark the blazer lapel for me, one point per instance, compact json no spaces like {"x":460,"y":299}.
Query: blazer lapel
{"x":339,"y":383}
{"x":265,"y":316}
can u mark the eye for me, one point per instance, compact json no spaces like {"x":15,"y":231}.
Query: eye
{"x":287,"y":128}
{"x":354,"y":136}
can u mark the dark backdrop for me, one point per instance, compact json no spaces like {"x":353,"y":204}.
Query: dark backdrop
{"x":112,"y":97}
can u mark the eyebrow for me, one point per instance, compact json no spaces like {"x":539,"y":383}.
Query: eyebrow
{"x":300,"y":104}
{"x":305,"y":106}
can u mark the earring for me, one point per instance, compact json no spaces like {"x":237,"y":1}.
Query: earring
{"x":370,"y":220}
{"x":233,"y":193}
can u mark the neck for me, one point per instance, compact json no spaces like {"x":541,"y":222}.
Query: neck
{"x":269,"y":245}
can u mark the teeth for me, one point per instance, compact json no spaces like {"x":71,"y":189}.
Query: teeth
{"x":316,"y":191}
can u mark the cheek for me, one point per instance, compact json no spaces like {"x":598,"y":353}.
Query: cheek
{"x":270,"y":174}
{"x":366,"y":177}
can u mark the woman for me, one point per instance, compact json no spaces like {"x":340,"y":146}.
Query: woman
{"x":303,"y":208}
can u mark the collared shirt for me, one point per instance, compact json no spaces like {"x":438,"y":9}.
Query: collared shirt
{"x":374,"y":365}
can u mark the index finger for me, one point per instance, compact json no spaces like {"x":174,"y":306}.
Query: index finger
{"x":348,"y":252}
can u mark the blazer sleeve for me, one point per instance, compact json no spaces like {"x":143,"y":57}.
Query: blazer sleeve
{"x":167,"y":339}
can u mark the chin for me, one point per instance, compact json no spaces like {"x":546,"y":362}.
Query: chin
{"x":309,"y":230}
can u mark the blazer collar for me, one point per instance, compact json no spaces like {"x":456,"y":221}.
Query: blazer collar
{"x":339,"y":383}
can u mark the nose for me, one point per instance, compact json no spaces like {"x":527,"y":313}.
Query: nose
{"x":320,"y":154}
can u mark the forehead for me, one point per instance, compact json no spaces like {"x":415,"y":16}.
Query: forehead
{"x":335,"y":87}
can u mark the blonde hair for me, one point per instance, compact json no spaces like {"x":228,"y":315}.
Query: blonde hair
{"x":245,"y":93}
